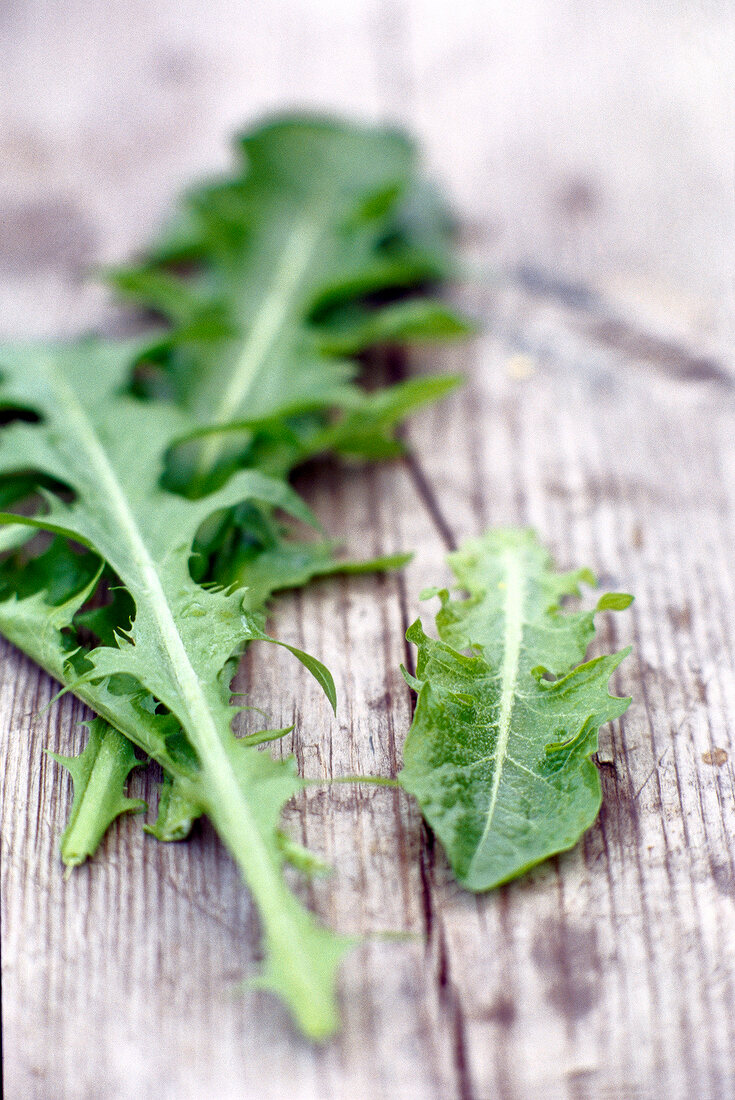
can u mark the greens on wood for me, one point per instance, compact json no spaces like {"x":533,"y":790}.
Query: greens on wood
{"x":142,"y":488}
{"x":270,"y":281}
{"x":273,"y":279}
{"x":161,"y":683}
{"x":508,"y":711}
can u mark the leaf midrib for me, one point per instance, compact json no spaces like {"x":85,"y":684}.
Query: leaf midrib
{"x":513,"y":607}
{"x":112,"y":499}
{"x":267,"y":326}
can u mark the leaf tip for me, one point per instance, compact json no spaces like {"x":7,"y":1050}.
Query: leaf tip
{"x":614,"y":601}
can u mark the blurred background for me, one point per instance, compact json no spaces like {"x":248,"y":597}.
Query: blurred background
{"x":591,"y":143}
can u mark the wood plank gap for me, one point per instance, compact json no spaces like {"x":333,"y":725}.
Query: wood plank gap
{"x":427,"y":497}
{"x":395,"y":362}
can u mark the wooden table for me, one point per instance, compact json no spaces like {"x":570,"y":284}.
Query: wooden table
{"x":588,"y":150}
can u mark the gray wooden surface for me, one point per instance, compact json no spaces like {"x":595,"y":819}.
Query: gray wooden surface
{"x":589,"y":152}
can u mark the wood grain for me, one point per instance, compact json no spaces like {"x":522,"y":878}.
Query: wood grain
{"x":588,"y":149}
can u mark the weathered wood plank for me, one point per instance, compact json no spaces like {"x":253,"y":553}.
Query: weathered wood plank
{"x":618,"y":948}
{"x":589,"y":153}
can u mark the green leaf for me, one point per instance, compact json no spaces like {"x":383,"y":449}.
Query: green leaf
{"x":498,"y":755}
{"x":289,"y":265}
{"x":99,"y":773}
{"x":319,"y":671}
{"x":366,"y":428}
{"x":352,"y":329}
{"x":293,"y":564}
{"x":177,"y":812}
{"x":108,"y":449}
{"x":614,"y":601}
{"x":301,"y":858}
{"x":286,"y":250}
